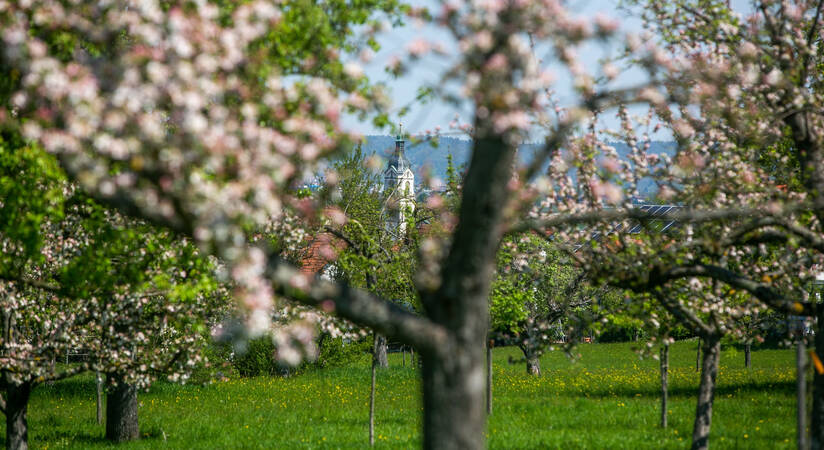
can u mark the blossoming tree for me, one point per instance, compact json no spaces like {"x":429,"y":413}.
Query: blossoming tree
{"x":177,"y":116}
{"x":173,"y":117}
{"x":741,"y":95}
{"x":78,"y":278}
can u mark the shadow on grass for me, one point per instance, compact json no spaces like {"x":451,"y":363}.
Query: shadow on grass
{"x":75,"y":436}
{"x":153,"y":436}
{"x":72,"y":387}
{"x":690,"y":391}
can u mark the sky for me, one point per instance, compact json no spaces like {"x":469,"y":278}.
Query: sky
{"x":427,"y":71}
{"x":425,"y":117}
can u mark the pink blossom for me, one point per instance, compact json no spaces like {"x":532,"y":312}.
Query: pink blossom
{"x":418,"y":47}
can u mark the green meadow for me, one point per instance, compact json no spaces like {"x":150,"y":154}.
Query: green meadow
{"x":607,"y":397}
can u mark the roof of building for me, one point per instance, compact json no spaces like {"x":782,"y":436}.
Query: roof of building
{"x":398,"y":160}
{"x":320,"y":253}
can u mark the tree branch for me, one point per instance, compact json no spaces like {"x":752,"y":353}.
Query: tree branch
{"x":677,"y":309}
{"x":810,"y":238}
{"x":681,"y":215}
{"x":37,"y":284}
{"x":810,"y":36}
{"x":340,"y":235}
{"x":121,"y":199}
{"x":358,"y":306}
{"x":552,"y":143}
{"x":761,"y":291}
{"x":68,"y":373}
{"x":347,"y":302}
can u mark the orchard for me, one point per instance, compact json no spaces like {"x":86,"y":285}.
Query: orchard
{"x":185,"y":201}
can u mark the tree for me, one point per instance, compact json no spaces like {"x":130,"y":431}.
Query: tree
{"x":177,"y":121}
{"x":533,"y":293}
{"x":741,"y":96}
{"x":372,"y":258}
{"x":78,"y":277}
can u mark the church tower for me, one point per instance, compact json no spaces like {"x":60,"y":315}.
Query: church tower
{"x":399,"y":189}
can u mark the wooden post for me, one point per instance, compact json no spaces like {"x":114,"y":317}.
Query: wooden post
{"x":489,"y":346}
{"x":801,"y":393}
{"x":99,"y":382}
{"x":372,"y":391}
{"x":817,"y":414}
{"x":664,"y":382}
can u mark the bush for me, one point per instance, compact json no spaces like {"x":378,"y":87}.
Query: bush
{"x":217,"y":365}
{"x":620,"y":332}
{"x":258,"y":358}
{"x":334,"y":352}
{"x":679,"y":333}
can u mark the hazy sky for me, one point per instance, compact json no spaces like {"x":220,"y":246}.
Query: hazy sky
{"x":428,"y":70}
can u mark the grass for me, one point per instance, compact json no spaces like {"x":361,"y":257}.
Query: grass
{"x":607,"y":398}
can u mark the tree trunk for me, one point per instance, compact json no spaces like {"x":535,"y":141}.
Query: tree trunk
{"x":121,"y":410}
{"x":748,"y":355}
{"x":698,"y":355}
{"x":453,"y":374}
{"x":533,"y":362}
{"x":706,"y":393}
{"x":99,"y":385}
{"x":801,"y":393}
{"x":380,"y":351}
{"x":489,"y":346}
{"x":453,"y":400}
{"x":533,"y":366}
{"x":664,"y":383}
{"x":17,"y":405}
{"x":375,"y":362}
{"x":817,"y":420}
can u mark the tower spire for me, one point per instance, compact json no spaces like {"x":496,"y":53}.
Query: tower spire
{"x":399,"y":142}
{"x":399,"y":185}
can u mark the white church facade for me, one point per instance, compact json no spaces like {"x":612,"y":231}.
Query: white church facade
{"x":399,"y":189}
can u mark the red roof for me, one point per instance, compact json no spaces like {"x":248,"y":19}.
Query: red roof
{"x":321,"y":251}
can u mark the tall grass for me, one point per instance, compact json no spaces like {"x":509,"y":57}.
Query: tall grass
{"x":606,"y":398}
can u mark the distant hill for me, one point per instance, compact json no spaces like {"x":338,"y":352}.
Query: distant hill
{"x":425,"y":155}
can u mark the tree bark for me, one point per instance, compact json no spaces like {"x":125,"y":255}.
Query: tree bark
{"x":17,"y":405}
{"x":380,"y":351}
{"x":801,"y":393}
{"x":121,"y":410}
{"x":817,"y":419}
{"x":489,"y":346}
{"x":533,"y":366}
{"x":664,"y":383}
{"x":375,"y":362}
{"x":706,"y":393}
{"x":99,"y":397}
{"x":748,"y":355}
{"x":533,"y":362}
{"x":453,"y":400}
{"x":453,"y":375}
{"x":698,"y":355}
